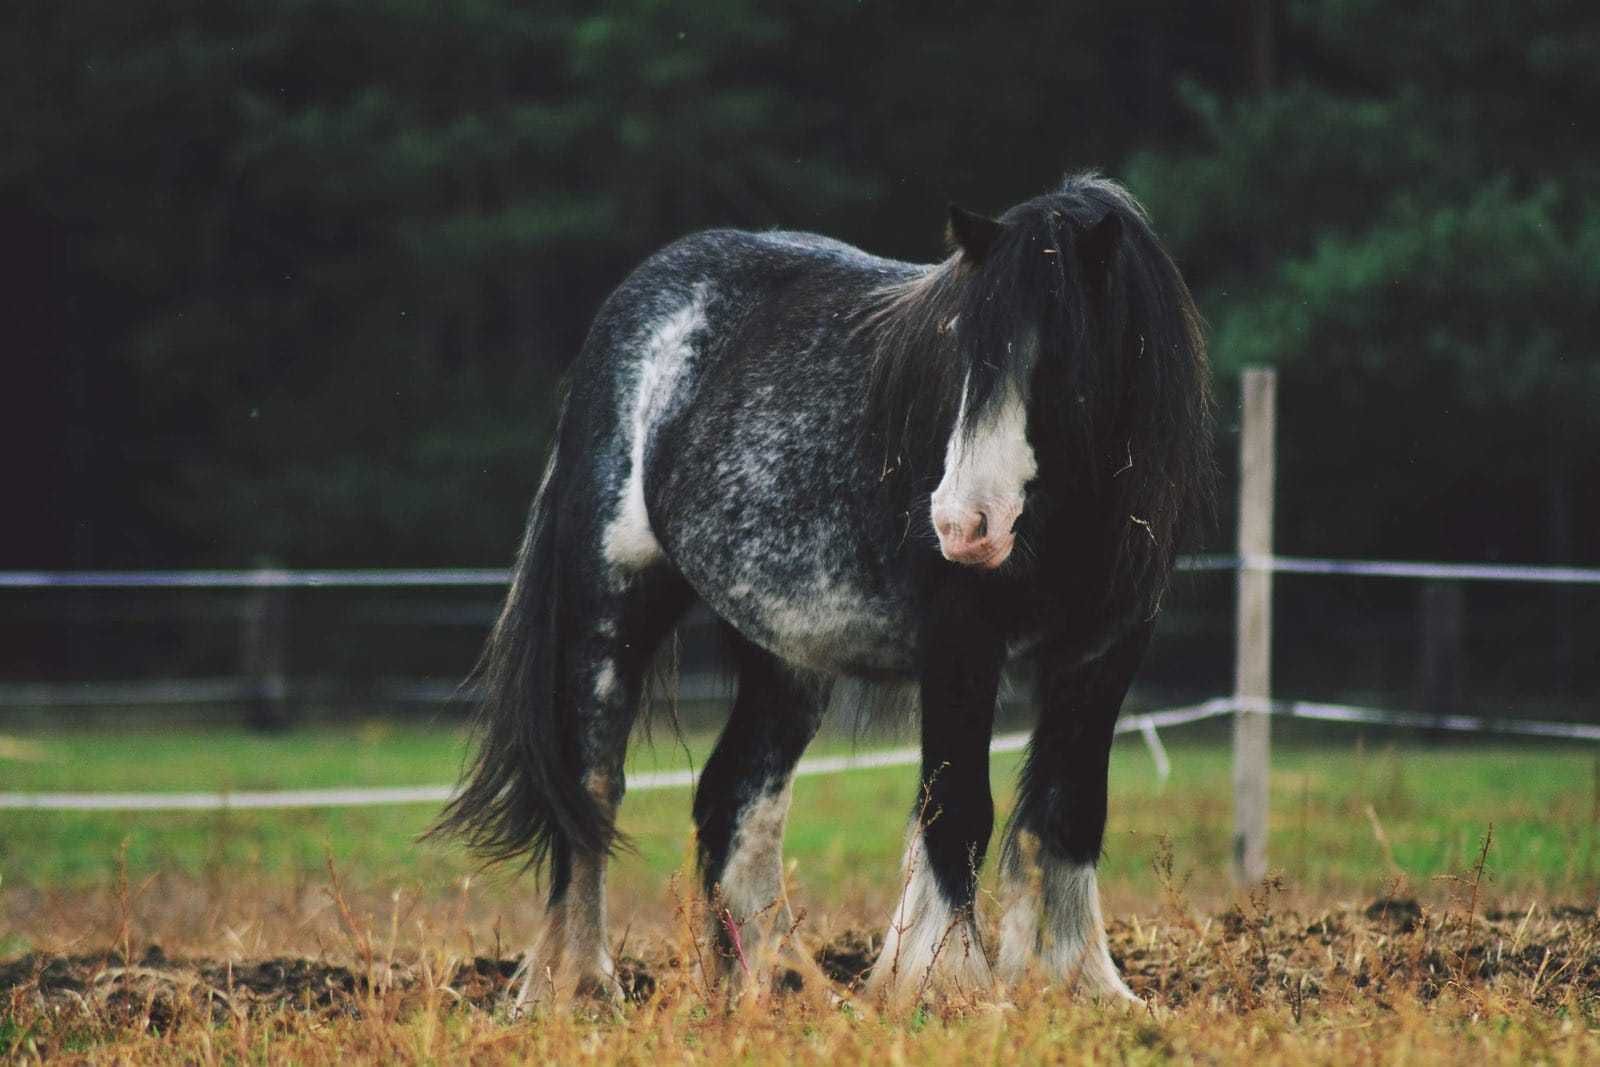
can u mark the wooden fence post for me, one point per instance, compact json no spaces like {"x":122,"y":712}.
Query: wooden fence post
{"x":264,"y":641}
{"x":1253,"y":622}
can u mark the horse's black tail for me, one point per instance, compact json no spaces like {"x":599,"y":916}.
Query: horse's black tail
{"x":523,"y":794}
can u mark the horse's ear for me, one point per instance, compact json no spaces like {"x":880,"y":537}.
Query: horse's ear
{"x":1097,"y":246}
{"x":972,"y":233}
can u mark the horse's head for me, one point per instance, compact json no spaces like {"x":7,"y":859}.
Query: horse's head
{"x":988,"y":459}
{"x":1058,"y":349}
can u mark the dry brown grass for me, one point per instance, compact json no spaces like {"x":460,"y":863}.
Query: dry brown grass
{"x":320,"y":973}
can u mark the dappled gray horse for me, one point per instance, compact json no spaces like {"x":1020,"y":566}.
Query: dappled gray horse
{"x":894,"y":474}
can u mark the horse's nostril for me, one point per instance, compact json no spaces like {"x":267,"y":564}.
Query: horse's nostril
{"x":983,"y":526}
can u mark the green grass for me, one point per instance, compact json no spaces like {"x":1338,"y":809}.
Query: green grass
{"x":1433,"y":807}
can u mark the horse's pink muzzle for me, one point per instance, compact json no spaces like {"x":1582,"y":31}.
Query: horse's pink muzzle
{"x":974,"y":537}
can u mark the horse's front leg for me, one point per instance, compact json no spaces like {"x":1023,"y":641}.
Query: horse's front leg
{"x":1048,"y":863}
{"x":932,"y":941}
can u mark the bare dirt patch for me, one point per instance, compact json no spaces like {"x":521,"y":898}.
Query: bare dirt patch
{"x":1242,"y":958}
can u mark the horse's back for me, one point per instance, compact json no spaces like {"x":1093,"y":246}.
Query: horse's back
{"x":731,"y":383}
{"x":741,"y":266}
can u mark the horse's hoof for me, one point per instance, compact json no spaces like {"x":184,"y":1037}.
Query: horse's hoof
{"x":597,"y":989}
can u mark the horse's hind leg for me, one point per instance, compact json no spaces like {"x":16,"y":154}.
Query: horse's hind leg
{"x":741,"y":805}
{"x":1053,"y":903}
{"x":616,"y":634}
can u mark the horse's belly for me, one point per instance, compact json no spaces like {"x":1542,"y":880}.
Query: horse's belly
{"x":783,"y":563}
{"x":821,"y":624}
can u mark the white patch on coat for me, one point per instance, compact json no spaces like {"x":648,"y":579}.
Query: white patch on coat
{"x":1053,"y":914}
{"x":987,"y":465}
{"x":752,"y":894}
{"x":605,"y":683}
{"x":586,"y":918}
{"x":928,"y":946}
{"x":629,"y":543}
{"x":570,"y":953}
{"x":752,"y":876}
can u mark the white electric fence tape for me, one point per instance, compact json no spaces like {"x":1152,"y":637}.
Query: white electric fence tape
{"x":274,"y":578}
{"x":1145,"y":725}
{"x":644,"y":781}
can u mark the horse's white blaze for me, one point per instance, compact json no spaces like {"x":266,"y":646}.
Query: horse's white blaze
{"x":927,"y":944}
{"x":1054,"y":913}
{"x":986,"y":466}
{"x":629,"y":541}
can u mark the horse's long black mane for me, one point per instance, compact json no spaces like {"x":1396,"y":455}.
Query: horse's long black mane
{"x":1076,"y":303}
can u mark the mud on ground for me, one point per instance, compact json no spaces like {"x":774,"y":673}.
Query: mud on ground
{"x":1242,"y":958}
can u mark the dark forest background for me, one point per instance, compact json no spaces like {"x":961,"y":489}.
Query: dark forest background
{"x":297,"y":279}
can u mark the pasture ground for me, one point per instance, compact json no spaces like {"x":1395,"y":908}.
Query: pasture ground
{"x":1388,"y":934}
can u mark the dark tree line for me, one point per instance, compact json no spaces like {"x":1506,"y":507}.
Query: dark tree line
{"x":297,"y":279}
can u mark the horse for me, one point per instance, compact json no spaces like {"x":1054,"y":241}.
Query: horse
{"x":881,"y":478}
